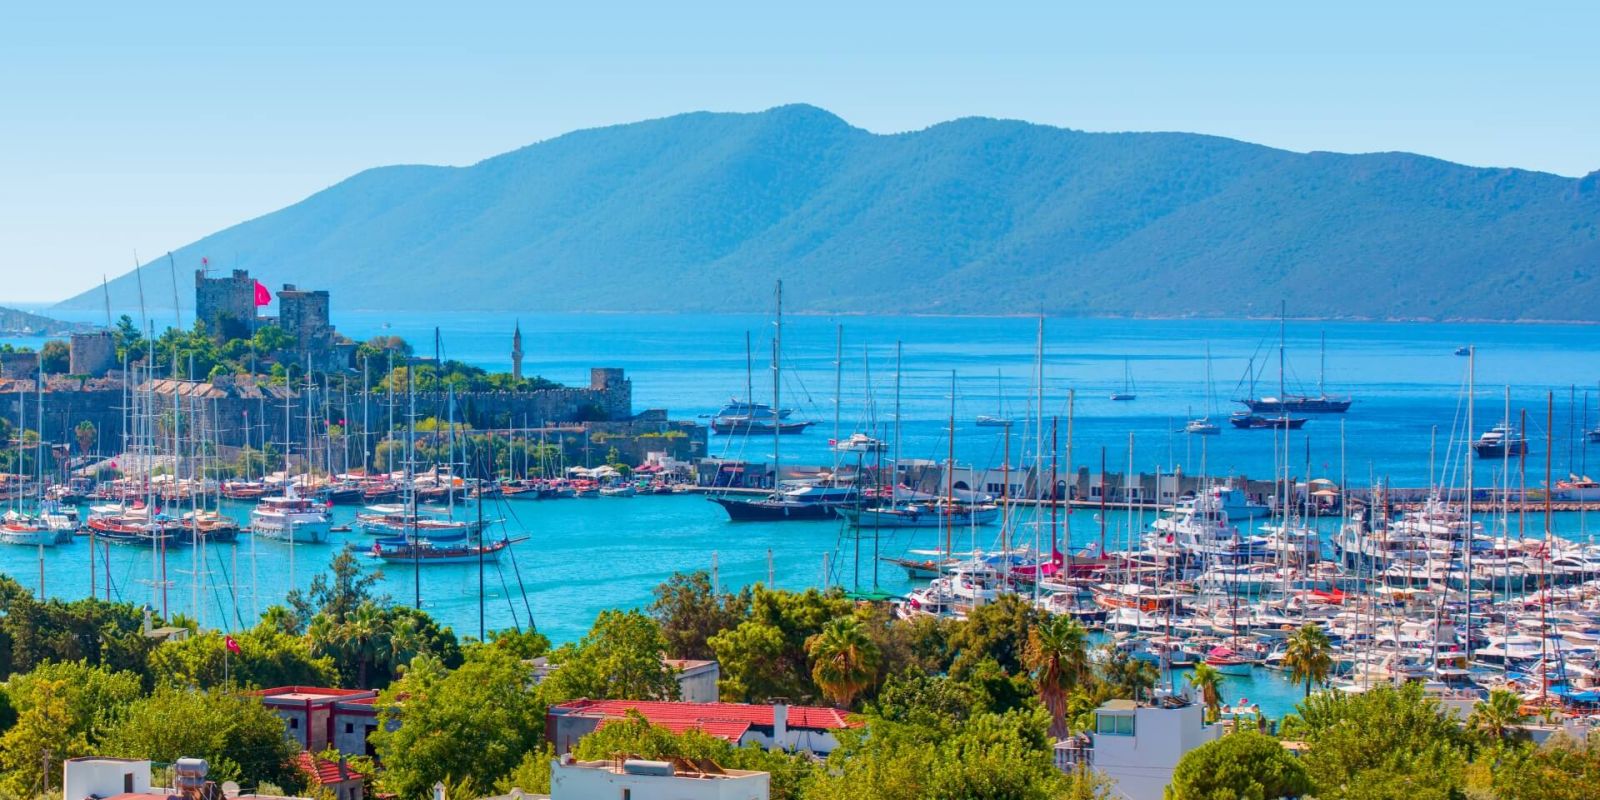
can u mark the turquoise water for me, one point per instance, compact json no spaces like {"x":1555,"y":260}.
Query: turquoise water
{"x":585,"y":555}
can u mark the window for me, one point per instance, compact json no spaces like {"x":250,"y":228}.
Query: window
{"x":349,"y":727}
{"x":294,"y":723}
{"x":627,"y":794}
{"x":1113,"y":724}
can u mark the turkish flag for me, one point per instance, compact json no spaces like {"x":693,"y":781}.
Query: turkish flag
{"x":233,"y":644}
{"x":263,"y":297}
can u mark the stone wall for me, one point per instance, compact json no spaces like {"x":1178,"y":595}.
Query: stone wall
{"x":92,"y":354}
{"x":227,"y":305}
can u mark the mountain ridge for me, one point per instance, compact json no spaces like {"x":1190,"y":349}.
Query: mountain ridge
{"x":702,"y":211}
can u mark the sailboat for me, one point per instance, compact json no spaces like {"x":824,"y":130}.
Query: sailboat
{"x":999,"y":420}
{"x":1202,"y":425}
{"x":1129,"y":390}
{"x":806,"y":502}
{"x":1285,"y":403}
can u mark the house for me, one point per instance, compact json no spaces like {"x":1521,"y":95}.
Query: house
{"x":635,"y":779}
{"x":774,"y":727}
{"x":95,"y":778}
{"x":1138,"y":745}
{"x":697,"y":680}
{"x":335,"y":776}
{"x":318,"y":717}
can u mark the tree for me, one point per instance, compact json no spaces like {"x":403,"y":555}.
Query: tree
{"x":997,"y":630}
{"x":1127,"y":676}
{"x":469,"y":727}
{"x":843,"y":660}
{"x":348,"y":588}
{"x":1560,"y":769}
{"x":1241,"y":766}
{"x":1498,"y":716}
{"x":32,"y":632}
{"x":620,"y":658}
{"x":1384,"y":742}
{"x":86,"y":435}
{"x":267,"y":657}
{"x":92,"y":695}
{"x":46,"y":729}
{"x":1208,"y":681}
{"x":55,"y":358}
{"x":1058,"y":656}
{"x":690,"y":613}
{"x":1308,"y":656}
{"x":765,"y":655}
{"x":239,"y":737}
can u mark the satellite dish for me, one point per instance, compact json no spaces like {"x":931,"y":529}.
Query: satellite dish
{"x":230,"y":789}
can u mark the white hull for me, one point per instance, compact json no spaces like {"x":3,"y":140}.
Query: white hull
{"x":304,"y":528}
{"x":33,"y":538}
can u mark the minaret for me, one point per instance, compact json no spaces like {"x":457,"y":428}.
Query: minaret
{"x":516,"y":352}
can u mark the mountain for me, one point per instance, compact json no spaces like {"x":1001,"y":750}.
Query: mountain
{"x":701,"y":212}
{"x":14,"y":322}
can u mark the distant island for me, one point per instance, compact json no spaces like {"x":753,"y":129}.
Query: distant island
{"x":21,"y":323}
{"x":701,"y":212}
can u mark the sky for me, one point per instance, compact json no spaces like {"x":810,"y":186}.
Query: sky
{"x":135,"y":128}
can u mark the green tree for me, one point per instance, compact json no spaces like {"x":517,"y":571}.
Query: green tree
{"x":844,"y":661}
{"x":1241,"y":766}
{"x":32,"y":632}
{"x":1208,"y":682}
{"x":620,"y":658}
{"x":239,"y":737}
{"x":765,"y":655}
{"x":690,"y":613}
{"x":1497,"y":716}
{"x":997,"y":630}
{"x":86,"y":436}
{"x":1560,"y":769}
{"x":267,"y":657}
{"x":1126,"y":676}
{"x":470,"y":727}
{"x":55,"y":358}
{"x":1058,"y":657}
{"x":1384,"y":742}
{"x":1309,"y":656}
{"x":93,"y":695}
{"x":47,"y":728}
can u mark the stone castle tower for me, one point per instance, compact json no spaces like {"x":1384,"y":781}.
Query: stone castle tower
{"x":227,"y":305}
{"x":516,"y":352}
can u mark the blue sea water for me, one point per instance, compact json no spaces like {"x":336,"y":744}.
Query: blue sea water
{"x":582,"y":556}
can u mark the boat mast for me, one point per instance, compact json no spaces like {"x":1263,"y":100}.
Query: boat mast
{"x":1283,"y":324}
{"x":838,"y":389}
{"x":1466,"y":559}
{"x":950,"y":473}
{"x":777,"y":370}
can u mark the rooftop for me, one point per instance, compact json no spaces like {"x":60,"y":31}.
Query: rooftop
{"x":326,"y":771}
{"x":669,"y":714}
{"x":314,"y":694}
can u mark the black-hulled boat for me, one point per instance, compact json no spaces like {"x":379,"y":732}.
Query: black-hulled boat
{"x":1252,"y":422}
{"x":1501,"y":441}
{"x":1299,"y":404}
{"x":803,"y":503}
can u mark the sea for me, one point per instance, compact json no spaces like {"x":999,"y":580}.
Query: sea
{"x":1408,"y":427}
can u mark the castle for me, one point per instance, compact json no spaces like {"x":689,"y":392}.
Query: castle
{"x":227,"y":306}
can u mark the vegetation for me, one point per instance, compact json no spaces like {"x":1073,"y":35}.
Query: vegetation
{"x":1242,"y":766}
{"x":1309,"y":656}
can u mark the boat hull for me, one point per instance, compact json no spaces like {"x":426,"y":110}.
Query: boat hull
{"x":764,"y":510}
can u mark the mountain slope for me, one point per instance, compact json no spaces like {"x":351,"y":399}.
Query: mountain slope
{"x":701,"y":212}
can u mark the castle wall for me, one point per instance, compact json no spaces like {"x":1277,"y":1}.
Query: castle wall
{"x":92,"y":354}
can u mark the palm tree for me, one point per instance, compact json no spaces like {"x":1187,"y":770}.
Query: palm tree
{"x":1058,"y":656}
{"x":1208,"y":681}
{"x":844,"y":660}
{"x":1498,"y":716}
{"x":1309,"y":656}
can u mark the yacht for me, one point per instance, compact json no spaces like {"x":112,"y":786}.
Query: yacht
{"x":1501,"y":441}
{"x":290,"y":518}
{"x":748,"y":417}
{"x":809,"y":502}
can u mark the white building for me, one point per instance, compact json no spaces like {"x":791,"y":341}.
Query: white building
{"x":653,"y":780}
{"x":1138,"y":745}
{"x":104,"y":777}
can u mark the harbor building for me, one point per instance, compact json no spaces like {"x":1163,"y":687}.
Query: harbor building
{"x":638,"y":779}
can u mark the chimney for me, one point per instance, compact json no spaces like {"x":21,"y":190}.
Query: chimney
{"x":780,"y":726}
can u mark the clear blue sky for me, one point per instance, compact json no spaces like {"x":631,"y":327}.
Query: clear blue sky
{"x":143,"y":126}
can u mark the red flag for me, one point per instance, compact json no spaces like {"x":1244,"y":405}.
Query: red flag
{"x":233,"y":645}
{"x":263,"y":297}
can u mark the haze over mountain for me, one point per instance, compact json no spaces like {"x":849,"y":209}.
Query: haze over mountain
{"x":701,"y":212}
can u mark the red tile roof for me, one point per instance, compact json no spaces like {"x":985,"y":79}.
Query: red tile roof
{"x":667,"y":714}
{"x":325,"y":771}
{"x":727,"y":729}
